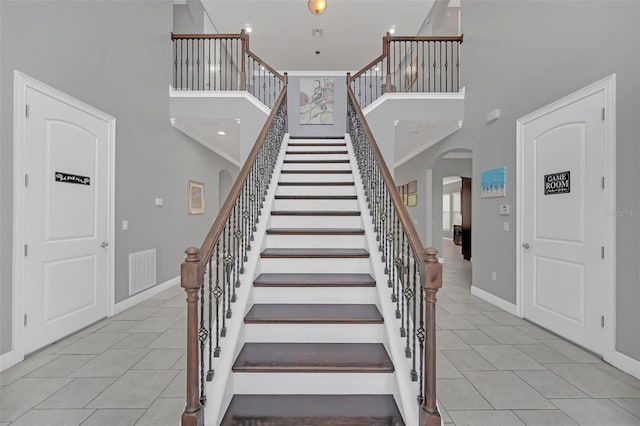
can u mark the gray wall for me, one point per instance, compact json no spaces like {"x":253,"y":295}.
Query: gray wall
{"x":339,"y":108}
{"x":117,"y":57}
{"x":518,"y":57}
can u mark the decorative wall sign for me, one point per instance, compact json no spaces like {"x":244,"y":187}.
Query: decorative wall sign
{"x":493,"y":182}
{"x":557,"y":183}
{"x":196,"y":197}
{"x":69,"y":178}
{"x":316,"y":101}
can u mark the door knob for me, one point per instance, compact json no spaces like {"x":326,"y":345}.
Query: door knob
{"x":104,"y":244}
{"x":526,"y":245}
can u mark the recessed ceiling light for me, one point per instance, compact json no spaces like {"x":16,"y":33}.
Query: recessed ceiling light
{"x":392,"y":30}
{"x":221,"y":132}
{"x":414,"y":132}
{"x":248,"y":29}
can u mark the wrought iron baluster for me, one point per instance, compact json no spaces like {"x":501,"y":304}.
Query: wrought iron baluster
{"x":421,"y":333}
{"x":202,"y":337}
{"x":414,"y":374}
{"x":218,"y":292}
{"x":210,"y":311}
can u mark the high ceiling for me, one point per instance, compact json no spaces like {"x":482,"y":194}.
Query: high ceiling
{"x":352,"y":30}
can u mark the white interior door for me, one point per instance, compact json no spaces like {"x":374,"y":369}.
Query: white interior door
{"x":563,"y":229}
{"x":66,"y":219}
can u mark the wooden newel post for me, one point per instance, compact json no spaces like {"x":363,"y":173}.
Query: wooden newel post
{"x":386,"y":44}
{"x":191,"y":280}
{"x":431,"y":281}
{"x":243,"y":71}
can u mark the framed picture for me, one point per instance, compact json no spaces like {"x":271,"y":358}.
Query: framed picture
{"x":195,"y":198}
{"x":316,"y":101}
{"x":493,"y":182}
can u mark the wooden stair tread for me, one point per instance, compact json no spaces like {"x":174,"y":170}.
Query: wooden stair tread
{"x":323,"y":144}
{"x":316,"y":138}
{"x":314,"y":280}
{"x":316,"y":161}
{"x":315,"y":231}
{"x":313,"y":314}
{"x":315,"y":213}
{"x":313,"y":410}
{"x":316,"y":197}
{"x":316,"y":152}
{"x":317,"y":172}
{"x":313,"y":357}
{"x":328,"y":183}
{"x":319,"y":253}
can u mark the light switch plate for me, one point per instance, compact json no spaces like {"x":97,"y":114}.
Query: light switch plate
{"x":125,"y":225}
{"x":504,"y":210}
{"x":159,"y":202}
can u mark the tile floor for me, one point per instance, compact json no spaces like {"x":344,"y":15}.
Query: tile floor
{"x":493,"y":369}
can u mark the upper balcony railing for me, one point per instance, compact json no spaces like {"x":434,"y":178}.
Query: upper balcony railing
{"x":417,"y":64}
{"x":223,"y":62}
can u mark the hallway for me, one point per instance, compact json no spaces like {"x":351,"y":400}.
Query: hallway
{"x":493,"y":368}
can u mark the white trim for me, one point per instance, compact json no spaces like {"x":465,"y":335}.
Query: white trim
{"x":494,"y":300}
{"x":412,"y":96}
{"x":608,"y":86}
{"x":144,"y":295}
{"x":20,"y":84}
{"x":9,"y":359}
{"x":225,"y":94}
{"x":626,"y":364}
{"x":211,"y":146}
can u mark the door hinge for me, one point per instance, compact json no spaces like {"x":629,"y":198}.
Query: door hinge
{"x":26,"y":110}
{"x":602,"y":114}
{"x":26,"y":180}
{"x":25,"y":320}
{"x":26,"y":250}
{"x":602,"y":321}
{"x":602,"y":182}
{"x":602,"y":252}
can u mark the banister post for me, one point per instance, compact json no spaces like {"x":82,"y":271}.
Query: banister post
{"x":243,"y":72}
{"x":386,"y":44}
{"x":286,"y":78}
{"x":191,"y":280}
{"x":348,"y":78}
{"x":431,"y":282}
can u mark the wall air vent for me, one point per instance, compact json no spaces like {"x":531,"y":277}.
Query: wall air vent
{"x":142,"y":270}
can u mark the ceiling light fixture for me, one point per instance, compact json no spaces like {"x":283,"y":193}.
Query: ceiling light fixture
{"x":221,"y":132}
{"x":248,"y":29}
{"x":317,"y":6}
{"x":392,"y":30}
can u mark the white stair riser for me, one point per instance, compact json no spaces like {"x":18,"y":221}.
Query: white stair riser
{"x":318,"y":147}
{"x":317,"y":205}
{"x":316,"y":177}
{"x":314,"y":266}
{"x":316,"y":241}
{"x":313,"y":383}
{"x":314,"y":333}
{"x":316,"y":190}
{"x":316,"y":157}
{"x":316,"y":166}
{"x":315,"y":222}
{"x":314,"y":295}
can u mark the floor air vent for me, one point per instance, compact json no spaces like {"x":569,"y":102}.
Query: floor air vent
{"x":142,"y":270}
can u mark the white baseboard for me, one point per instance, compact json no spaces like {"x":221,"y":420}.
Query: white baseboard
{"x":626,"y":364}
{"x":9,"y":359}
{"x":144,"y":295}
{"x":494,"y":300}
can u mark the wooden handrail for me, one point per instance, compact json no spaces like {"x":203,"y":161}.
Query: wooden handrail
{"x":386,"y":41}
{"x":206,"y":250}
{"x":264,"y":64}
{"x":459,"y":38}
{"x":403,"y":215}
{"x":367,"y":67}
{"x":175,"y":36}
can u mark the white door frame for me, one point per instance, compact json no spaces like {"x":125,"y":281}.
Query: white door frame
{"x":21,"y":83}
{"x":608,"y":86}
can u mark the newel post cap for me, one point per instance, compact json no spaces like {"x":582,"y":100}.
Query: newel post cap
{"x":193,"y":254}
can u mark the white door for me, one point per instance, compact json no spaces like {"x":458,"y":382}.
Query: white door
{"x":563,"y":227}
{"x":66,"y":219}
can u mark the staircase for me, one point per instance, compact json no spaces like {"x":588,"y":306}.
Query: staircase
{"x":313,"y":350}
